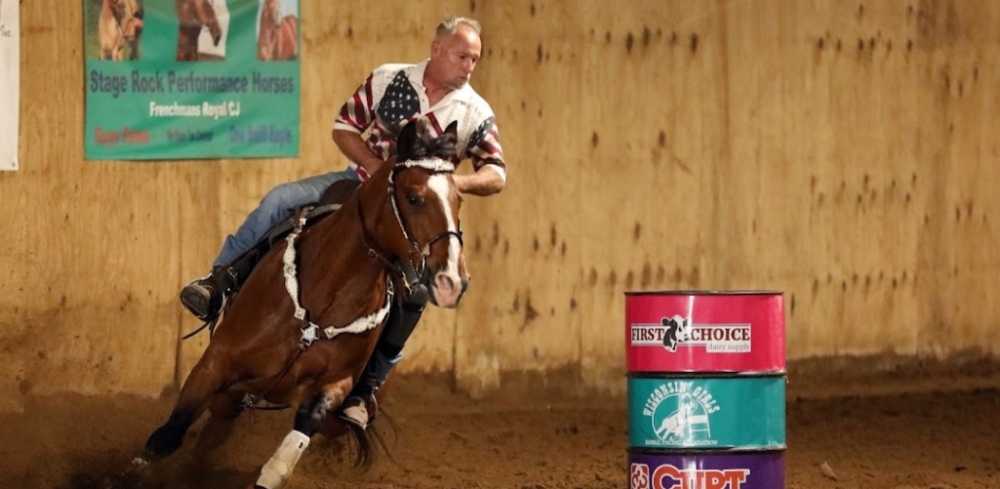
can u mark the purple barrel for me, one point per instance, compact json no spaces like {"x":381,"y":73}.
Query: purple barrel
{"x":706,"y":470}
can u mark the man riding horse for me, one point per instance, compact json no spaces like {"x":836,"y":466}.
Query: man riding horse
{"x":435,"y":91}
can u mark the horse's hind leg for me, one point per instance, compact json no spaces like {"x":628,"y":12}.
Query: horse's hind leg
{"x":308,"y":420}
{"x":204,"y":381}
{"x":224,"y":408}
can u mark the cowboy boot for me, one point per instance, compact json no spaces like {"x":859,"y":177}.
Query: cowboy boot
{"x":204,"y":296}
{"x":360,"y":406}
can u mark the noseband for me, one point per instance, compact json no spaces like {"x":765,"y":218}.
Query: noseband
{"x":413,"y":273}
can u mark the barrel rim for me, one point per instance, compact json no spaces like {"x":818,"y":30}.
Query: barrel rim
{"x":706,"y":374}
{"x":777,"y":449}
{"x":704,"y":292}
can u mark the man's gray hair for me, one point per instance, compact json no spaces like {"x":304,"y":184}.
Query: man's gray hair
{"x":449,"y":25}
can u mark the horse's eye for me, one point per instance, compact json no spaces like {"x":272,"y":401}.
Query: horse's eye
{"x":414,"y":200}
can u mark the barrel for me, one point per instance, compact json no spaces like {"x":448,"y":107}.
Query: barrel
{"x":706,"y":389}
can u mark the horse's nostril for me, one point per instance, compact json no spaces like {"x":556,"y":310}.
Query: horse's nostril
{"x":445,"y":282}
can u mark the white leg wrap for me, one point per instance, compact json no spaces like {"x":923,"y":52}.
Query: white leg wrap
{"x":276,"y":471}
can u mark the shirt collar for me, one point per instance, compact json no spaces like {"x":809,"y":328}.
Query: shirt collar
{"x":417,"y":79}
{"x":417,"y":74}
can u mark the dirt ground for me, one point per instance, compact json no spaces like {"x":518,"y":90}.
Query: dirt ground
{"x":902,"y":429}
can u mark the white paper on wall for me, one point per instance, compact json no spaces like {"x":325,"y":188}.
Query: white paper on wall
{"x":10,"y":49}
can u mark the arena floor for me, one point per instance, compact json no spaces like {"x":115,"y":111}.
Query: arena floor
{"x":886,"y":431}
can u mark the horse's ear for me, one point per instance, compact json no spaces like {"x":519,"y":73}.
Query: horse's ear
{"x":448,"y":142}
{"x":406,"y":140}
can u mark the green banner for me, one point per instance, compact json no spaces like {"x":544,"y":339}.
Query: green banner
{"x":736,"y":413}
{"x":182,"y":79}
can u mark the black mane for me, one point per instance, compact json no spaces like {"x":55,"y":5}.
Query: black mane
{"x":411,"y":146}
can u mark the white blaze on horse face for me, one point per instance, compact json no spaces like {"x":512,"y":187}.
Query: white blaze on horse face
{"x":442,"y":188}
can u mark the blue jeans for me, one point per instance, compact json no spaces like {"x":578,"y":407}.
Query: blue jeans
{"x":276,"y":206}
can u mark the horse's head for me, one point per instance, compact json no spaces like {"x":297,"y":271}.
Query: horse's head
{"x":199,"y":13}
{"x":271,"y":12}
{"x":426,"y":205}
{"x":131,"y":21}
{"x":206,"y":15}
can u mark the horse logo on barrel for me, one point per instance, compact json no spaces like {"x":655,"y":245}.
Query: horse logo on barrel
{"x":303,"y":325}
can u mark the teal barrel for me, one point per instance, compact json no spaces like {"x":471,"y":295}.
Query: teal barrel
{"x":738,"y":413}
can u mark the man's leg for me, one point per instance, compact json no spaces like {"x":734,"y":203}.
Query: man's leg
{"x":204,"y":296}
{"x":276,"y":206}
{"x":359,"y":408}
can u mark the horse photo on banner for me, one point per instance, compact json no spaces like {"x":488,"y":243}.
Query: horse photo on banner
{"x":186,"y":79}
{"x":10,"y":76}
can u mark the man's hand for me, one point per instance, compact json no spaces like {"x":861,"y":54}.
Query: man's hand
{"x":351,"y":144}
{"x":375,"y":164}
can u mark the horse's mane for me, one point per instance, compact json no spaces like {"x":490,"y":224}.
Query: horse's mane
{"x":424,"y":147}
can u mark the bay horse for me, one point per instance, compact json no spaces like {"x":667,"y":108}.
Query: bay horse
{"x":303,"y":325}
{"x":192,"y":16}
{"x":119,"y":23}
{"x":277,"y":39}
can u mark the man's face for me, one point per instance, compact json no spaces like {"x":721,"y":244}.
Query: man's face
{"x":456,"y":56}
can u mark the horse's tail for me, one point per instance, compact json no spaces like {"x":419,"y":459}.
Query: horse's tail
{"x":366,"y":440}
{"x":365,"y":457}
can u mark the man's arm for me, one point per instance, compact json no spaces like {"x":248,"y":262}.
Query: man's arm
{"x":485,"y":181}
{"x":351,"y":144}
{"x":355,"y":117}
{"x":487,"y":158}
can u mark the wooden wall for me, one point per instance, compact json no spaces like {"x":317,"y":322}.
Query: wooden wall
{"x":843,"y":152}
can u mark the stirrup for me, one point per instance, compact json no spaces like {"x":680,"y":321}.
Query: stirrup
{"x":211,"y":316}
{"x":358,"y":411}
{"x":203,"y":299}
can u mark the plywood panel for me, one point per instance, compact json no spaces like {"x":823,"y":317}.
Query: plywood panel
{"x":841,"y":152}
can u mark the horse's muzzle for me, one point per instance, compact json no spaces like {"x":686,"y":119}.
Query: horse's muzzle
{"x":447,"y":290}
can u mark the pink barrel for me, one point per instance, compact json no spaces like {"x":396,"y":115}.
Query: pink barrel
{"x":705,"y":331}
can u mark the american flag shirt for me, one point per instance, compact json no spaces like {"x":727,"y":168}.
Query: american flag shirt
{"x":393,"y":95}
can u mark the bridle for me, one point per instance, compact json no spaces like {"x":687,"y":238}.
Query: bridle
{"x":412,"y":274}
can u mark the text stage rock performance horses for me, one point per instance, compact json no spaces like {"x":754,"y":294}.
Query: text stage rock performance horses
{"x":299,"y":334}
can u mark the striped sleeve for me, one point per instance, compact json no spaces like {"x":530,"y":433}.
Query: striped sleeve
{"x":357,"y":112}
{"x":484,"y":148}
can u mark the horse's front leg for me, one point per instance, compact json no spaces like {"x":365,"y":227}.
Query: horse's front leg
{"x":225,"y":407}
{"x":308,"y":420}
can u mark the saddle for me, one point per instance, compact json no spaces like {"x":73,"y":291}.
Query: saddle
{"x":330,"y":201}
{"x":239,"y":270}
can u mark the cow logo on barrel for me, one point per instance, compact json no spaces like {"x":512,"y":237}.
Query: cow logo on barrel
{"x":680,"y":414}
{"x":675,"y":332}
